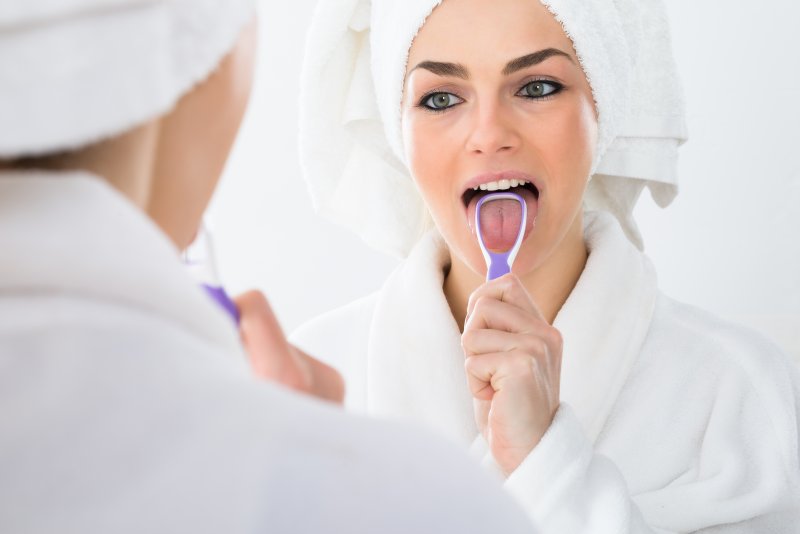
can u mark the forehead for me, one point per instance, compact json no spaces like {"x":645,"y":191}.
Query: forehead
{"x":478,"y":31}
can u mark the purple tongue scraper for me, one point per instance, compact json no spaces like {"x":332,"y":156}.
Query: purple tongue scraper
{"x":499,"y":263}
{"x":199,"y":260}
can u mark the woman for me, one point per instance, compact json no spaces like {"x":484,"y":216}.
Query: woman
{"x":126,"y":401}
{"x":606,"y":405}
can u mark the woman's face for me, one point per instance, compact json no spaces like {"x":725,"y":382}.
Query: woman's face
{"x":494,"y":93}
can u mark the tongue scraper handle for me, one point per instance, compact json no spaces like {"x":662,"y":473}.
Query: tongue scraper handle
{"x":199,"y":260}
{"x":218,"y":295}
{"x":499,"y":263}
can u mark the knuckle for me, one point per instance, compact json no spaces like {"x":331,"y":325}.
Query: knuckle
{"x":475,"y":296}
{"x":555,"y":346}
{"x":556,"y":338}
{"x":536,"y":345}
{"x":468,"y":339}
{"x":481,"y":304}
{"x":475,"y":368}
{"x":470,"y":364}
{"x":503,"y":281}
{"x":531,"y":344}
{"x":520,"y":361}
{"x":513,"y":282}
{"x":507,"y":283}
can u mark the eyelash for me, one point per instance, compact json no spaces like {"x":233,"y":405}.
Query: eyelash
{"x":427,"y":96}
{"x":557,"y":88}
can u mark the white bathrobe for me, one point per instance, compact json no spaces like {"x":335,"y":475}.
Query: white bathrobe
{"x":127,"y":405}
{"x":671,"y":420}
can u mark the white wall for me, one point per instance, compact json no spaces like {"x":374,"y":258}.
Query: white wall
{"x":729,"y":243}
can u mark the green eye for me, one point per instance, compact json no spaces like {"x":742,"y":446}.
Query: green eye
{"x":539,"y":88}
{"x":440,"y":101}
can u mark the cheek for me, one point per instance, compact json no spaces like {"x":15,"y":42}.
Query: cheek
{"x":436,"y":161}
{"x":426,"y":155}
{"x":569,"y":146}
{"x":586,"y":132}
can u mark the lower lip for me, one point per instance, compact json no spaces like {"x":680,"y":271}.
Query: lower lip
{"x":531,"y":201}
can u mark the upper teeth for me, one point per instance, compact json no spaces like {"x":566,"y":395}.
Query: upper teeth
{"x":500,"y":185}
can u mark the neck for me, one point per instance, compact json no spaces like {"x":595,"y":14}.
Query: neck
{"x":549,"y":284}
{"x":125,"y":162}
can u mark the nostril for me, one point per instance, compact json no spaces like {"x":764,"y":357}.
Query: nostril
{"x":492,"y":139}
{"x":501,"y":149}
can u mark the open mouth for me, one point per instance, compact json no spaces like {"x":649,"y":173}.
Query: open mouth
{"x":513,"y":185}
{"x":500,"y":225}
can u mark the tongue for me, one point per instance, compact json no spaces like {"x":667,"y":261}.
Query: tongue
{"x":500,"y":221}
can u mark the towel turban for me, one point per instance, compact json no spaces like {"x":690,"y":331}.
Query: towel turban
{"x":73,"y":72}
{"x":351,"y":91}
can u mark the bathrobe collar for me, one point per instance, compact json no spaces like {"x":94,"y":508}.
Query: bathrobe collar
{"x":71,"y":234}
{"x":415,"y":362}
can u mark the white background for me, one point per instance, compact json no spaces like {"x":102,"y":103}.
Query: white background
{"x":729,"y":243}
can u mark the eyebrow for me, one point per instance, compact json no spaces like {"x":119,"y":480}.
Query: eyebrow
{"x":533,"y":59}
{"x":458,"y":70}
{"x":444,"y":69}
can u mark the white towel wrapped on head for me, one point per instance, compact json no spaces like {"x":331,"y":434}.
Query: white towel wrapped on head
{"x":350,"y":140}
{"x":73,"y":72}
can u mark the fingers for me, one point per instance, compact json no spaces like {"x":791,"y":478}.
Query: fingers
{"x":509,"y":289}
{"x":513,"y":367}
{"x":270,"y":354}
{"x":258,"y":322}
{"x":326,"y":382}
{"x":272,"y":357}
{"x":491,"y":313}
{"x":489,"y":374}
{"x":540,"y":340}
{"x":483,"y":372}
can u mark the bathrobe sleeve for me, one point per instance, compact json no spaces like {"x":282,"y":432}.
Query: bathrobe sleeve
{"x":569,"y":488}
{"x":742,"y":476}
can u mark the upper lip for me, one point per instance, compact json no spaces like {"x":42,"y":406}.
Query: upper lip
{"x":487,"y":177}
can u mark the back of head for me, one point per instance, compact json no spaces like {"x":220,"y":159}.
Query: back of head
{"x":74,"y":72}
{"x":123,"y":89}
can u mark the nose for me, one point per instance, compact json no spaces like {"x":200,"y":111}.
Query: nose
{"x":492,"y":131}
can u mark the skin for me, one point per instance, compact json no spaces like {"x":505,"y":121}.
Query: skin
{"x":125,"y":161}
{"x":491,"y":123}
{"x":195,"y":141}
{"x":169,"y":168}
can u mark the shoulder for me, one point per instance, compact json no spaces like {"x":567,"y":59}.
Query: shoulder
{"x":356,"y":474}
{"x":366,"y":475}
{"x":203,"y":418}
{"x":337,"y":333}
{"x":698,"y":334}
{"x":735,"y":369}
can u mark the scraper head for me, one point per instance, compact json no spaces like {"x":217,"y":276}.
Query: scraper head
{"x":500,"y":223}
